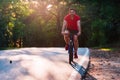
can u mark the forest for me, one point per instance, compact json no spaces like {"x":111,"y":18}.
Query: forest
{"x":38,"y":23}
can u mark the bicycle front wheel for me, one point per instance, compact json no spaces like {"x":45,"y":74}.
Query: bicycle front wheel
{"x":70,"y":57}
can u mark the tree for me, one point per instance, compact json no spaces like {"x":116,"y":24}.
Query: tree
{"x":13,"y":12}
{"x":39,"y":22}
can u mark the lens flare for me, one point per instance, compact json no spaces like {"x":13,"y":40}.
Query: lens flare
{"x":49,"y":6}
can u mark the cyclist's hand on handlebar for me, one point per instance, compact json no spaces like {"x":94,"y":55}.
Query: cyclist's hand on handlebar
{"x":78,"y":33}
{"x":62,"y":33}
{"x":66,"y":32}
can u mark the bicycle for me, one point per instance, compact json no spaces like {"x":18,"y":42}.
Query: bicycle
{"x":70,"y":49}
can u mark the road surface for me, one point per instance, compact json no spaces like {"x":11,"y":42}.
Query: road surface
{"x":40,"y":64}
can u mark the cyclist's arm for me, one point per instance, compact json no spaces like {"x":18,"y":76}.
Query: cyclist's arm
{"x":64,"y":26}
{"x":79,"y":27}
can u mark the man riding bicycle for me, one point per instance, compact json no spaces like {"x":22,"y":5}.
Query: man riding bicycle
{"x":71,"y":24}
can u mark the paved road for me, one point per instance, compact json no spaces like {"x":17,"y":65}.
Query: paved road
{"x":40,"y":64}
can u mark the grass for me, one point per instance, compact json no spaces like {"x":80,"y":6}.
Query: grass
{"x":107,"y":48}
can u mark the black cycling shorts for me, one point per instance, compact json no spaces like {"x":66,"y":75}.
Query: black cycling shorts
{"x":73,"y":31}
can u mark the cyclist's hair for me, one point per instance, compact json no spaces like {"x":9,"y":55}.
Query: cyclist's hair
{"x":72,"y":9}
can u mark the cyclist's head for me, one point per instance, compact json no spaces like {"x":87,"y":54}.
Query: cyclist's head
{"x":72,"y":11}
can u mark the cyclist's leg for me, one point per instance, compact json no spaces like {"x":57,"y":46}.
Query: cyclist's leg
{"x":66,"y":38}
{"x":76,"y":45}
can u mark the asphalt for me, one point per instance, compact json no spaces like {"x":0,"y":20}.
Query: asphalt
{"x":41,"y":64}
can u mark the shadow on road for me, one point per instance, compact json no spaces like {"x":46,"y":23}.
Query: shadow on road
{"x":82,"y":71}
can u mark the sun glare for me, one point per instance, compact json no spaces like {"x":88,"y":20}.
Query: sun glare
{"x":49,"y":6}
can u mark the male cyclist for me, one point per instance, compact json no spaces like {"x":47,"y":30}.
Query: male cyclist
{"x":71,"y":24}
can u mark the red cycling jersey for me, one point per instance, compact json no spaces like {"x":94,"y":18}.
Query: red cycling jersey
{"x":72,"y":23}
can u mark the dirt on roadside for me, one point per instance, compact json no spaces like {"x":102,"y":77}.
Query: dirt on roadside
{"x":105,"y":64}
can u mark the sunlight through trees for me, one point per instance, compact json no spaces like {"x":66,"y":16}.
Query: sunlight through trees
{"x":39,"y":22}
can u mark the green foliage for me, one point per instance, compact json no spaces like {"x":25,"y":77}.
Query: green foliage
{"x":12,"y":14}
{"x":33,"y":24}
{"x":98,"y":32}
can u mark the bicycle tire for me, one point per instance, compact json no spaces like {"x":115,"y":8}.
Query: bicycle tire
{"x":70,"y":58}
{"x":70,"y":52}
